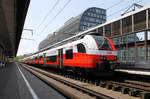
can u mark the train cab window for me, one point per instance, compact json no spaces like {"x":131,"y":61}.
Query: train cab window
{"x":81,"y":48}
{"x":99,"y":40}
{"x":69,"y":54}
{"x":51,"y":58}
{"x":102,"y":43}
{"x":105,"y":46}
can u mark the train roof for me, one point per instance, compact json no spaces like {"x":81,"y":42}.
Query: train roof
{"x":63,"y":45}
{"x":77,"y":36}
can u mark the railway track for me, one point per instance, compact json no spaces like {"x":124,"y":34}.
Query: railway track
{"x":133,"y":87}
{"x":70,"y":89}
{"x":137,"y":89}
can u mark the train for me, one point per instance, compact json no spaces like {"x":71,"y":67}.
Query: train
{"x":91,"y":53}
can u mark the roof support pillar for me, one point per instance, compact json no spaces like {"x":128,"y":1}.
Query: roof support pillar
{"x":147,"y":19}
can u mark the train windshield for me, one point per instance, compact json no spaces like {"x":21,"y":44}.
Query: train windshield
{"x":102,"y":43}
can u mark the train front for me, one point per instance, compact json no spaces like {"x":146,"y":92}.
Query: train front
{"x":105,"y":55}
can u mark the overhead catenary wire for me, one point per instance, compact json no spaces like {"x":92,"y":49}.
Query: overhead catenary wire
{"x":28,"y":39}
{"x":66,"y":5}
{"x":49,"y":12}
{"x":139,"y":1}
{"x":44,"y":19}
{"x":117,"y":12}
{"x":121,"y":1}
{"x":121,"y":9}
{"x":56,"y":15}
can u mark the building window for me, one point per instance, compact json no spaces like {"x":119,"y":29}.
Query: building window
{"x":140,"y":36}
{"x":104,"y":17}
{"x":123,"y":55}
{"x":148,"y":35}
{"x":94,"y":15}
{"x":85,"y":23}
{"x":102,"y":11}
{"x":81,"y":48}
{"x":123,"y":40}
{"x":97,"y":20}
{"x":103,"y":21}
{"x":69,"y":54}
{"x":97,"y":15}
{"x":92,"y":19}
{"x":141,"y":53}
{"x":118,"y":55}
{"x":51,"y":58}
{"x":131,"y":38}
{"x":81,"y":27}
{"x":100,"y":16}
{"x":148,"y":53}
{"x":116,"y":41}
{"x":98,"y":11}
{"x":131,"y":54}
{"x":148,"y":42}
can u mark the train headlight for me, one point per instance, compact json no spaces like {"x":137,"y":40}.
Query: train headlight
{"x":103,"y":58}
{"x":115,"y":58}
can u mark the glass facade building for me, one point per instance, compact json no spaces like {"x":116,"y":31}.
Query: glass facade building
{"x":91,"y":17}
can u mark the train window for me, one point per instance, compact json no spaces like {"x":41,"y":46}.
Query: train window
{"x":51,"y":58}
{"x":35,"y":58}
{"x":32,"y":59}
{"x":105,"y":46}
{"x":81,"y":48}
{"x":40,"y":57}
{"x":69,"y":54}
{"x":99,"y":40}
{"x":102,"y":43}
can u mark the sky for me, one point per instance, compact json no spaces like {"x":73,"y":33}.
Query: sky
{"x":44,"y":18}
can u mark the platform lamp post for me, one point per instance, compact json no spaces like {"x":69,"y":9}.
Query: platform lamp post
{"x":31,"y":30}
{"x":54,"y":33}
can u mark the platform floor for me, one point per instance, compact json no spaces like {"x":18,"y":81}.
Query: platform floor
{"x":135,"y":71}
{"x":14,"y":86}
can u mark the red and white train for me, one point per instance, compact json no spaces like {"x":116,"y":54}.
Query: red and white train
{"x":90,"y":53}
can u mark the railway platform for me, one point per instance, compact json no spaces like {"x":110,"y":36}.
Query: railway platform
{"x":135,"y":71}
{"x":17,"y":83}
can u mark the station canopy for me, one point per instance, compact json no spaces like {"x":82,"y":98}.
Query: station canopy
{"x":12,"y":18}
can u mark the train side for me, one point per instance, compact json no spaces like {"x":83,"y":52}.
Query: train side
{"x":91,"y":53}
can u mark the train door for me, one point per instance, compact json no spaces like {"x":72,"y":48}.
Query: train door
{"x":60,"y":58}
{"x":44,"y":58}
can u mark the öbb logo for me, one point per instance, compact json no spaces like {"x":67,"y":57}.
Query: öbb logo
{"x":109,"y":52}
